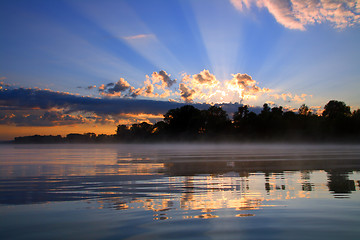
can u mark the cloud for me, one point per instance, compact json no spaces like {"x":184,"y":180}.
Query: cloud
{"x":206,"y":78}
{"x":198,"y":86}
{"x":123,"y":89}
{"x":90,"y":87}
{"x":245,"y":86}
{"x":40,"y":118}
{"x":163,"y":77}
{"x":114,"y":89}
{"x":139,"y":36}
{"x":288,"y":97}
{"x":36,"y":107}
{"x":38,"y":99}
{"x":186,"y":93}
{"x":296,"y":14}
{"x":147,"y":90}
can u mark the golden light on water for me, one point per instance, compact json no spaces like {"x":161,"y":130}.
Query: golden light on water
{"x":209,"y":196}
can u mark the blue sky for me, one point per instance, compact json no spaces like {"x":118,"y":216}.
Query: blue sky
{"x":278,"y":51}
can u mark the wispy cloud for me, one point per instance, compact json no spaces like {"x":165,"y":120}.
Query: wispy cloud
{"x":139,"y":36}
{"x":288,"y":97}
{"x":296,"y":14}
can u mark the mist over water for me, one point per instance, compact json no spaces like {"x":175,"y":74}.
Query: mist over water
{"x":195,"y":191}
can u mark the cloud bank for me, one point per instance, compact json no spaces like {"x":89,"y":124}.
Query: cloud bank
{"x":38,"y":107}
{"x":296,"y":14}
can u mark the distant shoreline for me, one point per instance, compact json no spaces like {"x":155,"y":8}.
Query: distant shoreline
{"x":197,"y":141}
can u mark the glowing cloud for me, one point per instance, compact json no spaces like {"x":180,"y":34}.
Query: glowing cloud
{"x":296,"y":14}
{"x":245,"y":86}
{"x":163,"y":77}
{"x":205,"y":78}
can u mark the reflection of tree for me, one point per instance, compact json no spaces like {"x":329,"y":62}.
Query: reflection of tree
{"x":339,"y":183}
{"x":306,"y":184}
{"x":189,"y":191}
{"x":267,"y":183}
{"x":274,"y":186}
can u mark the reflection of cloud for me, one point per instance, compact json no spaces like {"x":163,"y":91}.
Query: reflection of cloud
{"x":296,"y":14}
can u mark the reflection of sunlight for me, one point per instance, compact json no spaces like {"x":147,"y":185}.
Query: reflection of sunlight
{"x":207,"y":196}
{"x":172,"y":185}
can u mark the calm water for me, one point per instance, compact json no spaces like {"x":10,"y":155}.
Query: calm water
{"x":179,"y":191}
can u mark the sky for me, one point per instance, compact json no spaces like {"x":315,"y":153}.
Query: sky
{"x":87,"y":66}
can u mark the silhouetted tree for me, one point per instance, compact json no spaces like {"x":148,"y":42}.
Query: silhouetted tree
{"x":122,"y":132}
{"x":304,"y":110}
{"x":240,"y":117}
{"x":337,"y":119}
{"x":76,"y":137}
{"x":356,"y":115}
{"x":266,"y":109}
{"x":187,"y":120}
{"x":160,"y":128}
{"x":216,"y":120}
{"x":242,"y":113}
{"x":277,"y":111}
{"x":336,"y":109}
{"x":141,"y":131}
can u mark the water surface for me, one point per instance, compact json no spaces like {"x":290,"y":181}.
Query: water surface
{"x":201,"y":191}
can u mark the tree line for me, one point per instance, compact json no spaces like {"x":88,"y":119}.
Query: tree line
{"x":188,"y":123}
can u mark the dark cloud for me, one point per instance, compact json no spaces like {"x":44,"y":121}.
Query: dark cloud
{"x":40,"y":118}
{"x":87,"y":88}
{"x":115,"y":89}
{"x":164,"y":77}
{"x":186,"y":93}
{"x":21,"y":98}
{"x":90,"y":87}
{"x":37,"y":107}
